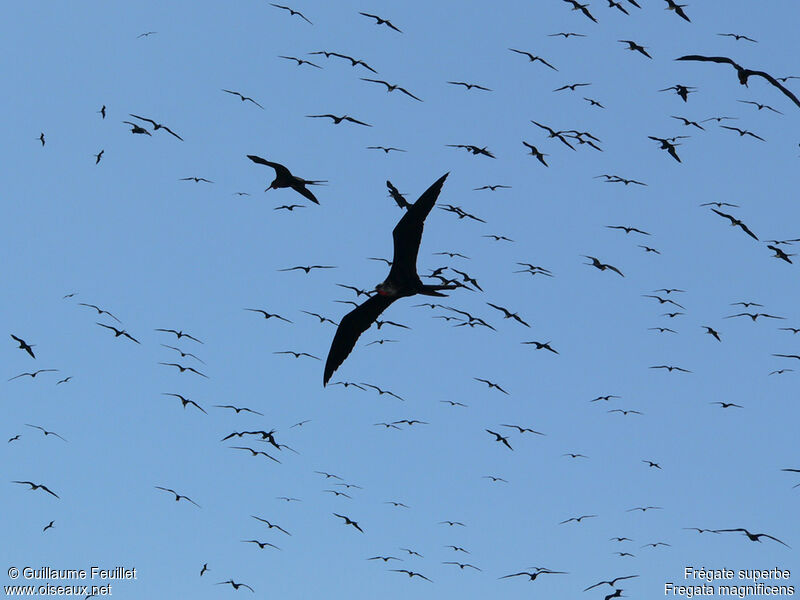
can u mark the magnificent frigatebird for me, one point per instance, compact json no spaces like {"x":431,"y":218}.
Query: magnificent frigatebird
{"x":402,"y":281}
{"x":284,"y":178}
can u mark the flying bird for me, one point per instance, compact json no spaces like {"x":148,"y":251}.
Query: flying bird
{"x":636,"y":47}
{"x":391,"y":87}
{"x":267,"y":315}
{"x":293,"y":12}
{"x":469,"y":86}
{"x":284,"y":178}
{"x":738,"y":37}
{"x":23,"y":345}
{"x":677,"y":9}
{"x":743,"y":73}
{"x":119,"y":332}
{"x":100,"y":311}
{"x":381,"y":21}
{"x":532,"y":58}
{"x":157,"y":126}
{"x":337,"y":120}
{"x":736,"y":223}
{"x":137,"y":128}
{"x":743,"y":132}
{"x":243,"y":97}
{"x":180,"y":334}
{"x":349,"y":521}
{"x":34,"y":374}
{"x":37,"y":486}
{"x":178,"y":496}
{"x":753,"y":537}
{"x":500,"y":438}
{"x":300,"y":61}
{"x":581,"y":7}
{"x":602,"y":266}
{"x":401,"y":282}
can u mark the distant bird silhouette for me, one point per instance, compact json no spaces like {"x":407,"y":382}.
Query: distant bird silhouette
{"x":535,"y":152}
{"x":50,"y":525}
{"x":411,"y":573}
{"x":736,"y":223}
{"x":386,"y":149}
{"x":182,"y":369}
{"x":337,"y":120}
{"x":157,"y":126}
{"x":119,"y":332}
{"x":490,"y":384}
{"x":44,"y":431}
{"x":243,"y":97}
{"x":381,"y":21}
{"x":500,"y":438}
{"x":581,"y":7}
{"x":238,"y":409}
{"x":236,"y":585}
{"x":743,"y":132}
{"x":687,"y":122}
{"x":738,"y":37}
{"x":671,"y":368}
{"x":753,"y":537}
{"x":23,"y":345}
{"x":267,"y":315}
{"x":102,"y":111}
{"x":180,"y":334}
{"x":635,"y":47}
{"x":677,"y":9}
{"x":667,"y":145}
{"x":682,"y":90}
{"x":185,"y":401}
{"x":293,"y":12}
{"x":37,"y":486}
{"x":532,"y":58}
{"x":743,"y":73}
{"x":470,"y":86}
{"x":301,"y":61}
{"x":610,"y":582}
{"x":137,"y":128}
{"x":577,"y":519}
{"x":391,"y":87}
{"x":542,"y":346}
{"x":284,"y":179}
{"x":599,"y":265}
{"x":41,"y":138}
{"x":98,"y":156}
{"x":307,"y":269}
{"x":760,"y":106}
{"x":571,"y":87}
{"x":349,"y":521}
{"x":34,"y":374}
{"x":178,"y":496}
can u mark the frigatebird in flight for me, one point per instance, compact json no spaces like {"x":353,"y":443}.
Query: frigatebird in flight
{"x":23,"y":345}
{"x":292,"y":12}
{"x":243,"y":97}
{"x":381,"y":21}
{"x":157,"y":126}
{"x":742,"y":73}
{"x":402,"y":281}
{"x":284,"y":179}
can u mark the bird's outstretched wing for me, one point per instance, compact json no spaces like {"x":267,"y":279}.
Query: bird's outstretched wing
{"x":280,"y":170}
{"x":407,"y":234}
{"x":352,"y":325}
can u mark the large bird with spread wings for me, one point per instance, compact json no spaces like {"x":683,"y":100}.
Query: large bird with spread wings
{"x":402,"y":281}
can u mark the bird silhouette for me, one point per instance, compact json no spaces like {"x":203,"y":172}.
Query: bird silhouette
{"x":402,"y":280}
{"x":284,"y":179}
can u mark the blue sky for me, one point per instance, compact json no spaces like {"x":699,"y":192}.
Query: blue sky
{"x":128,"y":236}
